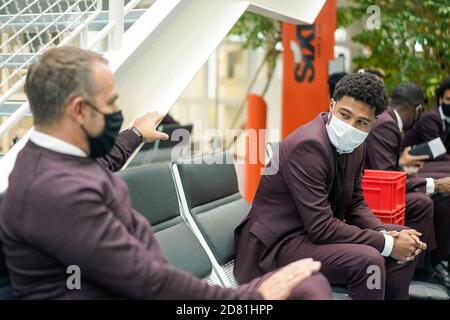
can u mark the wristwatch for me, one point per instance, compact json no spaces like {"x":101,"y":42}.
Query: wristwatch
{"x":139,"y":134}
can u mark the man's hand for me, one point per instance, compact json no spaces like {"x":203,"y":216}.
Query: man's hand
{"x":442,"y":185}
{"x":407,"y":160}
{"x":407,"y":245}
{"x":147,"y":127}
{"x":280,"y":284}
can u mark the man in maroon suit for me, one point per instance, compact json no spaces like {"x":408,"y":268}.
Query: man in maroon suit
{"x":313,"y":205}
{"x":384,"y":153}
{"x":64,"y":206}
{"x":432,"y":124}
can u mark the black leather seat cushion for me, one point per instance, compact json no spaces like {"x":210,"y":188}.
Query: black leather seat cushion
{"x":153,"y":194}
{"x":211,"y":188}
{"x":427,"y":291}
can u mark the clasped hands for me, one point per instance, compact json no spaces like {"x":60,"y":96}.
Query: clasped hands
{"x":407,"y":245}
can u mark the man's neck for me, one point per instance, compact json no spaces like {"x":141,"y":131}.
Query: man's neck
{"x":65,"y":135}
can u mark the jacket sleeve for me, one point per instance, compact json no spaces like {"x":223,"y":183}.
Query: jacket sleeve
{"x":76,"y":227}
{"x":126,"y":142}
{"x":306,"y":177}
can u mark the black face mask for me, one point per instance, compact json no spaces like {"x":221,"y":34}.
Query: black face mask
{"x":102,"y":145}
{"x":446,"y":109}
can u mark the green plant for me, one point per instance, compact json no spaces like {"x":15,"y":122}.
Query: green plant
{"x":413,"y":43}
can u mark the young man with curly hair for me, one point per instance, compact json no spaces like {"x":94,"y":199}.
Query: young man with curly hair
{"x":314,"y":207}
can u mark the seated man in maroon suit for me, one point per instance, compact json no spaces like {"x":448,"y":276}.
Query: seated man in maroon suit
{"x":64,"y":206}
{"x":432,"y":124}
{"x":384,"y":153}
{"x":313,"y":205}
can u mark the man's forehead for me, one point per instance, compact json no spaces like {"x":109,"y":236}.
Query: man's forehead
{"x":356,"y":107}
{"x":103,"y":76}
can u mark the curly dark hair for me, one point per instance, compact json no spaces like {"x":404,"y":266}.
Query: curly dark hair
{"x":444,"y":85}
{"x":364,"y":87}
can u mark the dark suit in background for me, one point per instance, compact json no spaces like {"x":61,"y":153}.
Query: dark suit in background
{"x":382,"y":153}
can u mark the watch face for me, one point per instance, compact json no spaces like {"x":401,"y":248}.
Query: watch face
{"x":139,"y":134}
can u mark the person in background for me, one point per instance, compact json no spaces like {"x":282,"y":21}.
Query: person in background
{"x":64,"y":206}
{"x":333,"y":80}
{"x":168,"y":119}
{"x":379,"y":73}
{"x":19,"y":134}
{"x":433,"y":124}
{"x":384,"y":152}
{"x":313,"y":205}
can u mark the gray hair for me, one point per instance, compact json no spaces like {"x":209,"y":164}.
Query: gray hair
{"x":57,"y":76}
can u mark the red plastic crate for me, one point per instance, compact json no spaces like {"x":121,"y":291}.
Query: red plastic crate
{"x":384,"y":191}
{"x":397,"y":217}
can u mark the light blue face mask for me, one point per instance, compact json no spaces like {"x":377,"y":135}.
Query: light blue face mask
{"x":344,"y":137}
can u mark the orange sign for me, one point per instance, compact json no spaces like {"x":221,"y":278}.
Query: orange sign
{"x":307,"y":50}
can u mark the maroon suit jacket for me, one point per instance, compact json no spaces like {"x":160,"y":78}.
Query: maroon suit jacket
{"x":62,"y":210}
{"x":304,"y":199}
{"x":427,"y":128}
{"x":383,"y":149}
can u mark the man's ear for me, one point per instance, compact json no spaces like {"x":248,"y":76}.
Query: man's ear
{"x":75,"y":109}
{"x":332,"y":103}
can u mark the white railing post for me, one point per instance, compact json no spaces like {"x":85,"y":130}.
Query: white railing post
{"x":116,"y":15}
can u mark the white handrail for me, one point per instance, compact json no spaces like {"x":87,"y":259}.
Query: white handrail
{"x":5,"y":4}
{"x":129,"y":6}
{"x":101,"y":35}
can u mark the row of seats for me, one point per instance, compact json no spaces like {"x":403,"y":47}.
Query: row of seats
{"x":194,"y":205}
{"x":194,"y":197}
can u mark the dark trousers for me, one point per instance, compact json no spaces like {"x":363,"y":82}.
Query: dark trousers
{"x":419,"y":216}
{"x":352,"y":265}
{"x":440,"y":169}
{"x":442,"y":224}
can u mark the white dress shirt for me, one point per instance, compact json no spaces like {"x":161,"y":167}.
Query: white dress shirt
{"x":52,"y":143}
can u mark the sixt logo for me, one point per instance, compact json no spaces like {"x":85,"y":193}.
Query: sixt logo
{"x":304,"y":52}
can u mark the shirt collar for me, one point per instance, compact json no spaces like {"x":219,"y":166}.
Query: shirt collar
{"x":399,"y":120}
{"x":52,"y":143}
{"x":443,"y":116}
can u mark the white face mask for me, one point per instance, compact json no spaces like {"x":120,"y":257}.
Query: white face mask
{"x":344,"y":137}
